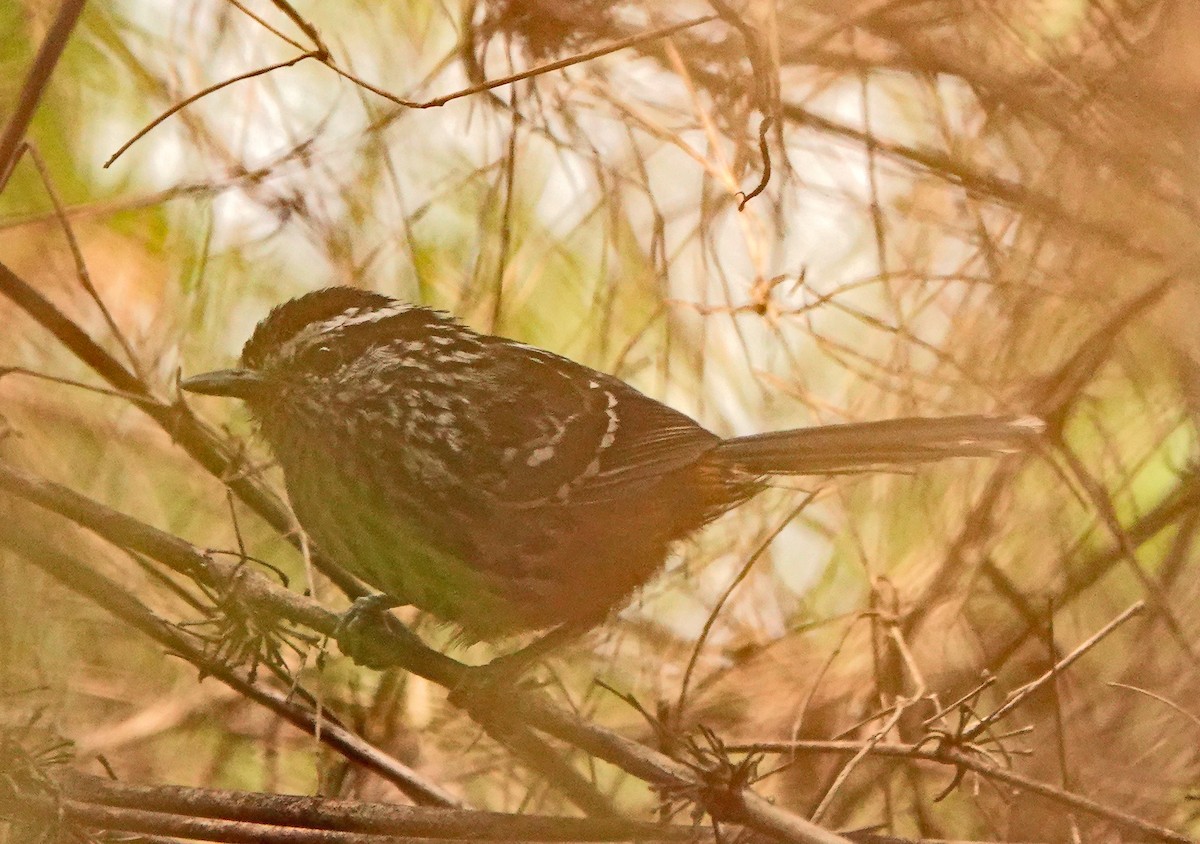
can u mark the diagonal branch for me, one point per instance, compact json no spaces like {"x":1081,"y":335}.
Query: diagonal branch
{"x":197,"y":439}
{"x":401,"y":648}
{"x":35,"y":85}
{"x":961,"y":759}
{"x":94,"y":586}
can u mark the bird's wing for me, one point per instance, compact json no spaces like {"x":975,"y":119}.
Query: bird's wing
{"x":564,"y":432}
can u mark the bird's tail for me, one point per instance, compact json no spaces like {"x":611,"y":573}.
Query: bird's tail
{"x":889,"y":444}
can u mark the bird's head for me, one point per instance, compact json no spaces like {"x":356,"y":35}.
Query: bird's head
{"x":318,"y":350}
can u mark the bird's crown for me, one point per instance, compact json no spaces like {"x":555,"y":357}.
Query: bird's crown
{"x":333,"y":315}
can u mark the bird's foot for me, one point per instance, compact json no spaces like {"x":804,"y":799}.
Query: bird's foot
{"x":355,"y":629}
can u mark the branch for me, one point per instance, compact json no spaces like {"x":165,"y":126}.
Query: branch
{"x":975,"y":181}
{"x":393,"y":644}
{"x":1029,"y":688}
{"x":211,"y":89}
{"x":35,"y":85}
{"x":960,"y":759}
{"x":196,"y":438}
{"x":1183,"y":499}
{"x":358,"y":816}
{"x":99,"y":589}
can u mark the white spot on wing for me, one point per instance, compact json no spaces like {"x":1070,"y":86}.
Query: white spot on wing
{"x":540,"y":455}
{"x":614,"y":421}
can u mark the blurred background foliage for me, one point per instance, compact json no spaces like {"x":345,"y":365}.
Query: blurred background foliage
{"x":964,"y":199}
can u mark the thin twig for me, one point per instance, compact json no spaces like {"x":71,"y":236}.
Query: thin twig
{"x":681,"y":700}
{"x":311,"y":54}
{"x":70,"y":382}
{"x":960,"y":759}
{"x":264,"y":24}
{"x":1060,"y":729}
{"x":848,"y":768}
{"x":204,"y":445}
{"x":1160,"y":600}
{"x":80,"y":578}
{"x":633,"y":40}
{"x":35,"y":85}
{"x":305,"y":27}
{"x":1017,"y":698}
{"x":983,"y":685}
{"x":1159,"y":698}
{"x":81,"y":270}
{"x":394,"y":644}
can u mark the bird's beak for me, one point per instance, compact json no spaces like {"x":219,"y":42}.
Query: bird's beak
{"x":235,"y":383}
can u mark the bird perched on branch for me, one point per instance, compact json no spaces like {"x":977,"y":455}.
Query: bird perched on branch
{"x":502,"y":487}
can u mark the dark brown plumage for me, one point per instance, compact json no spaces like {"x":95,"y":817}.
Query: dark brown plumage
{"x":502,"y":487}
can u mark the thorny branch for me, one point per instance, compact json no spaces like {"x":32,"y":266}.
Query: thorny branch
{"x":1028,"y":689}
{"x":975,"y":180}
{"x":78,"y":577}
{"x":393,"y":642}
{"x":90,"y":799}
{"x":961,"y":759}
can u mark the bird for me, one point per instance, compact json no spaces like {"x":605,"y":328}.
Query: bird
{"x":504,"y":488}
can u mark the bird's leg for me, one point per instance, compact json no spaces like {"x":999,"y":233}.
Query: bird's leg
{"x":507,"y":670}
{"x":353,"y":631}
{"x":516,"y":663}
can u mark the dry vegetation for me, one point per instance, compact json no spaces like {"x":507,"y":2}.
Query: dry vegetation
{"x":766,"y":214}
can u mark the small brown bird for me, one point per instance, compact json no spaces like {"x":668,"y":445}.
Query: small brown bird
{"x":502,"y":487}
